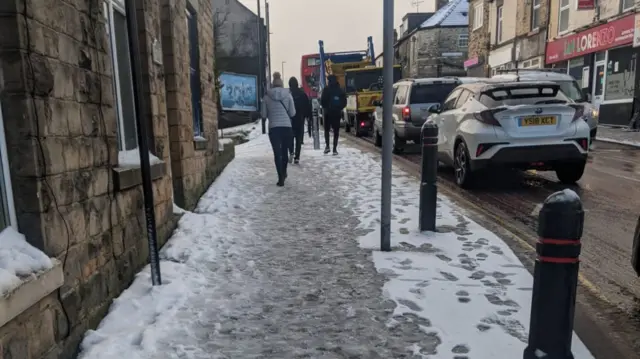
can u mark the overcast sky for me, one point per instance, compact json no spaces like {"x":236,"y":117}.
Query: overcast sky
{"x":297,"y":25}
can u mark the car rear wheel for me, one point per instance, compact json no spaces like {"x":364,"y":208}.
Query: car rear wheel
{"x":378,"y":140}
{"x":462,"y":166}
{"x":570,"y":173}
{"x":398,"y":144}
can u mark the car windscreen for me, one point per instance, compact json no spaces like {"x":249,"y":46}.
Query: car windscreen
{"x":571,"y":89}
{"x":522,"y":95}
{"x":431,"y":93}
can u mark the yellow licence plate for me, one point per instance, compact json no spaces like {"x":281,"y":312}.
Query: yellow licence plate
{"x":538,"y":120}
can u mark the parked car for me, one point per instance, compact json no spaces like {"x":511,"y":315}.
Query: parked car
{"x":525,"y":125}
{"x":412,"y":99}
{"x":568,"y":85}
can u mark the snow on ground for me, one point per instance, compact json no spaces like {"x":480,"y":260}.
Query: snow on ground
{"x":243,"y":133}
{"x":18,"y":260}
{"x":460,"y":292}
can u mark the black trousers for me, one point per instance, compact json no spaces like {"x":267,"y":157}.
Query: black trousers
{"x":332,"y":122}
{"x":280,"y":138}
{"x":296,"y":140}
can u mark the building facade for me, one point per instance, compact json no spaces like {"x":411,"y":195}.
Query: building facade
{"x":477,"y":63}
{"x":71,"y":182}
{"x":437,"y":46}
{"x":594,"y":45}
{"x":236,"y":38}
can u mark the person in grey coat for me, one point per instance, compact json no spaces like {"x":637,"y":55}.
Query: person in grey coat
{"x":278,"y":107}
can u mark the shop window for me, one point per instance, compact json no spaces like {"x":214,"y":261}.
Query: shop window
{"x":563,"y":20}
{"x":627,"y":5}
{"x":478,"y":14}
{"x":535,"y":14}
{"x":499,"y":25}
{"x":575,"y":68}
{"x":620,"y":74}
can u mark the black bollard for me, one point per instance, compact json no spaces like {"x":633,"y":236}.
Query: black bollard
{"x":264,"y":126}
{"x":429,"y":176}
{"x":555,"y":278}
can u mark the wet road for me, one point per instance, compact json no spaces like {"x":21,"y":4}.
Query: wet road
{"x":610,"y":191}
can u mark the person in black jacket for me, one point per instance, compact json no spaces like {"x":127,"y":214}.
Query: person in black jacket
{"x":333,"y":101}
{"x":303,"y":110}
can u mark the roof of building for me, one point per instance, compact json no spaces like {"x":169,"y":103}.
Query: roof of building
{"x":455,"y":13}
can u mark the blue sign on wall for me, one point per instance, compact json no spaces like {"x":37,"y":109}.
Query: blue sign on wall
{"x":239,"y":92}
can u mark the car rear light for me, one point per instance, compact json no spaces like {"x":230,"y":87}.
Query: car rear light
{"x":487,"y":116}
{"x":406,"y":112}
{"x":579,"y":112}
{"x":362,"y":123}
{"x":584,"y":143}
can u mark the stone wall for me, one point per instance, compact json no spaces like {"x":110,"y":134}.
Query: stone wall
{"x":479,"y":40}
{"x":191,"y":157}
{"x":73,"y":199}
{"x":427,"y":60}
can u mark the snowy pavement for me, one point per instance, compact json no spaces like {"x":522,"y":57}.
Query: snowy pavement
{"x":265,"y":272}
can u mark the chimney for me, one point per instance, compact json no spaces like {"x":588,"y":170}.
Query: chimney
{"x":440,"y":4}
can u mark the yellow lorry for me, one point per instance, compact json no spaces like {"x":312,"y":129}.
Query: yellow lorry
{"x":363,"y":87}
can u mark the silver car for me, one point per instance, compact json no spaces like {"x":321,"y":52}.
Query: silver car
{"x":412,"y":99}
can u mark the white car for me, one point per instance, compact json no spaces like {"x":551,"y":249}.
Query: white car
{"x":568,"y":85}
{"x":525,"y":125}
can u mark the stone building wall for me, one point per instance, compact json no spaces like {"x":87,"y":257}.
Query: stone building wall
{"x":73,"y":199}
{"x":479,"y":40}
{"x":438,"y":53}
{"x":192,"y":159}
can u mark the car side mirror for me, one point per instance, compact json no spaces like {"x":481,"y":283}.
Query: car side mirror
{"x":586,"y":94}
{"x":435,"y":108}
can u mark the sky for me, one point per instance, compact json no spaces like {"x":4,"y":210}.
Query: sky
{"x":297,"y":25}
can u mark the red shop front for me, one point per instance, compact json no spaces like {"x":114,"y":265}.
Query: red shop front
{"x":602,"y":60}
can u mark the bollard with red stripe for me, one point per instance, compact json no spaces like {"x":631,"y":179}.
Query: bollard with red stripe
{"x":555,"y":278}
{"x":429,"y":176}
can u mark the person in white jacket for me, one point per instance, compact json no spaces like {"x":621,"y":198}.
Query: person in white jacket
{"x":278,"y":107}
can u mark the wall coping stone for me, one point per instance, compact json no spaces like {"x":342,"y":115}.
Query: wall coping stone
{"x":200,"y":144}
{"x":30,"y":292}
{"x":128,"y":177}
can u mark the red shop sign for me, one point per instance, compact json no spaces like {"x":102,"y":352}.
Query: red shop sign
{"x":599,"y":38}
{"x":586,"y":4}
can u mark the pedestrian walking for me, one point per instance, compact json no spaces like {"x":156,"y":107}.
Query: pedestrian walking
{"x":278,"y":107}
{"x":303,"y":110}
{"x":333,"y":101}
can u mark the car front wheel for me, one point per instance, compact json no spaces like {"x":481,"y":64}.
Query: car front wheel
{"x":570,"y":173}
{"x":462,"y":166}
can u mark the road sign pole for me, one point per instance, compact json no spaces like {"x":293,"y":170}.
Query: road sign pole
{"x":387,"y":126}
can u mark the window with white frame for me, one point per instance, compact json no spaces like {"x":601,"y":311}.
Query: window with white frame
{"x":116,"y":17}
{"x":463,"y":40}
{"x":627,"y":4}
{"x":7,"y":209}
{"x":499,"y":25}
{"x":478,"y":15}
{"x":535,"y":14}
{"x":563,"y":16}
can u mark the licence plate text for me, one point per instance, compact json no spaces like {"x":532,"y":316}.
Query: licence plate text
{"x":538,"y":121}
